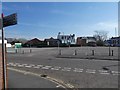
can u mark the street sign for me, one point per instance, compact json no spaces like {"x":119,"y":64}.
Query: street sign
{"x":10,"y":20}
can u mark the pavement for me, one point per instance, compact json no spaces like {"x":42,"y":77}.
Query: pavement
{"x":71,"y":72}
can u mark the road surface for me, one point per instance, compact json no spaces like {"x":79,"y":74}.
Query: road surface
{"x":78,"y":73}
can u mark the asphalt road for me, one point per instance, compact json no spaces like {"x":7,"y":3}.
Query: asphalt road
{"x":78,"y":73}
{"x":24,"y":80}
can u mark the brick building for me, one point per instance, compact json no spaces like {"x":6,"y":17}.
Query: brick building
{"x":82,"y":41}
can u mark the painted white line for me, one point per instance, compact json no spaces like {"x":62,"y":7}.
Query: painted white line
{"x":36,"y":67}
{"x":78,"y":70}
{"x":55,"y":68}
{"x":40,"y":65}
{"x":105,"y":73}
{"x":44,"y":68}
{"x":58,"y":86}
{"x":48,"y":66}
{"x":90,"y":71}
{"x":17,"y":63}
{"x":115,"y":72}
{"x":28,"y":66}
{"x":32,"y":65}
{"x":66,"y":69}
{"x":20,"y":65}
{"x":14,"y":65}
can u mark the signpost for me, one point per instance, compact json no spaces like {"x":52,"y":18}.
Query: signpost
{"x":6,"y":21}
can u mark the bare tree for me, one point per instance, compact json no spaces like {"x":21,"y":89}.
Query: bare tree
{"x":100,"y":35}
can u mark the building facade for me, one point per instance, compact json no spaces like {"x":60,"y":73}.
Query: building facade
{"x":52,"y":42}
{"x":83,"y":41}
{"x":114,"y":41}
{"x":66,"y":39}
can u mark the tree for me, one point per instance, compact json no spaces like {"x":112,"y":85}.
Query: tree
{"x":100,"y":35}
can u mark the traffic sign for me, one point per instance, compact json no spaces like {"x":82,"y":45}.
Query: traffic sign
{"x":10,"y":20}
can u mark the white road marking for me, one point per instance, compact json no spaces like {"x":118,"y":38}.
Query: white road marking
{"x":105,"y":73}
{"x":46,"y":67}
{"x":40,"y":65}
{"x":58,"y":86}
{"x":20,"y":65}
{"x":14,"y":65}
{"x":32,"y":65}
{"x":78,"y":70}
{"x":17,"y":63}
{"x":115,"y":72}
{"x":55,"y":68}
{"x":90,"y":71}
{"x":66,"y":69}
{"x":36,"y":67}
{"x":28,"y":66}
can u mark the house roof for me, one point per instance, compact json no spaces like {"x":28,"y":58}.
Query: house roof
{"x":115,"y":37}
{"x":51,"y":39}
{"x":33,"y":41}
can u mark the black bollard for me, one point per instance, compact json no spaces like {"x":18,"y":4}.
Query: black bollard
{"x":112,"y":52}
{"x":93,"y":53}
{"x":59,"y":52}
{"x":15,"y":50}
{"x":109,"y":51}
{"x":23,"y":52}
{"x":75,"y":52}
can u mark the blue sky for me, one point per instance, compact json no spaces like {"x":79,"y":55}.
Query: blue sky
{"x":45,"y":20}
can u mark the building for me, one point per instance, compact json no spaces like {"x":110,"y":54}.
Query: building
{"x":82,"y":41}
{"x":6,"y":43}
{"x":52,"y":42}
{"x":33,"y":43}
{"x":114,"y":41}
{"x":66,"y":39}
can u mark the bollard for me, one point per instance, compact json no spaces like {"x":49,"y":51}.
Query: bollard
{"x":23,"y":52}
{"x":15,"y":50}
{"x":30,"y":51}
{"x":93,"y":52}
{"x":109,"y":51}
{"x":75,"y":52}
{"x":59,"y":52}
{"x":112,"y":52}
